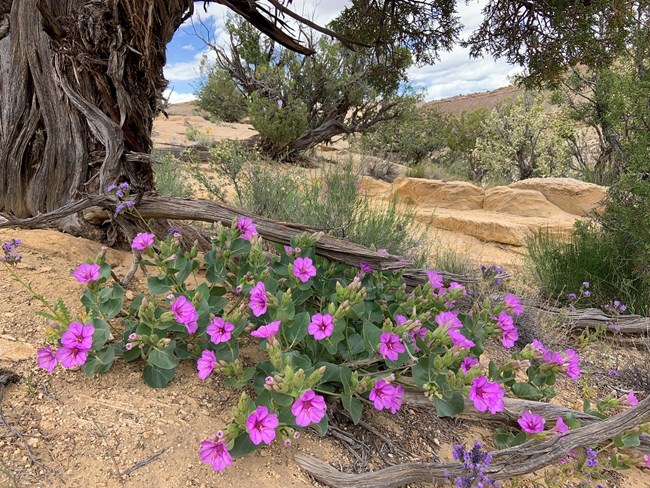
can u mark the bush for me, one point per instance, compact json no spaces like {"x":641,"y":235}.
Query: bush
{"x":593,"y":256}
{"x":219,"y":96}
{"x":170,"y":178}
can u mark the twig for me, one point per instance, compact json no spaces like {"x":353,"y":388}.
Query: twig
{"x":144,"y":462}
{"x":110,"y":453}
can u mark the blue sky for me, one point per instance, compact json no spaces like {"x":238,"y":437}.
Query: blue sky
{"x":454,"y":74}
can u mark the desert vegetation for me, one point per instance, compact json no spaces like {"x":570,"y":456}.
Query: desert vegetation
{"x":322,"y":310}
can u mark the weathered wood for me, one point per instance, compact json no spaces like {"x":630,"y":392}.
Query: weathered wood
{"x":506,"y":463}
{"x":593,"y":318}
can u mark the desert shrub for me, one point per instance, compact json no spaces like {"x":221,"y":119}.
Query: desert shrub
{"x":560,"y":269}
{"x":219,"y":95}
{"x":170,"y":177}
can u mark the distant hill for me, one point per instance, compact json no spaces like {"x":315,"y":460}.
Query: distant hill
{"x":460,"y":103}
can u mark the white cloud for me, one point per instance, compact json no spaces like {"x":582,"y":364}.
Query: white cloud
{"x":188,"y":47}
{"x":178,"y":97}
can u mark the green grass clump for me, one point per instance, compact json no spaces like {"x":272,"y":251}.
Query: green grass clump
{"x":170,"y":178}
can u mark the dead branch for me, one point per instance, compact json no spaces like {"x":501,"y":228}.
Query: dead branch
{"x":593,"y":318}
{"x":507,"y":463}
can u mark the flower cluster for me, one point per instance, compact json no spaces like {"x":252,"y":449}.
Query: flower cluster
{"x":475,"y":463}
{"x":385,"y":395}
{"x":493,"y":275}
{"x":185,"y":313}
{"x":121,"y":192}
{"x":487,"y":395}
{"x":569,"y":362}
{"x":75,"y":344}
{"x":11,"y":255}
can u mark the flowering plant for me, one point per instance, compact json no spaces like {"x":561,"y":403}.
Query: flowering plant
{"x":330,"y":332}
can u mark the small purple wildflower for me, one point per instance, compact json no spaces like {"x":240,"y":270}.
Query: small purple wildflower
{"x":86,"y":273}
{"x":467,"y":364}
{"x":309,"y":409}
{"x":215,"y":454}
{"x":365,"y":267}
{"x":219,"y":330}
{"x":390,"y":346}
{"x":487,"y":395}
{"x":185,"y":313}
{"x":258,"y":300}
{"x":531,"y":423}
{"x":303,"y":269}
{"x":261,"y":425}
{"x":267,"y":331}
{"x":206,"y":363}
{"x":46,"y":359}
{"x":591,"y":458}
{"x":386,"y":396}
{"x":142,"y":241}
{"x":246,"y":227}
{"x":321,"y":326}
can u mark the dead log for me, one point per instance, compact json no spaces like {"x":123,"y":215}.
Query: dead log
{"x":593,"y":318}
{"x":507,"y":463}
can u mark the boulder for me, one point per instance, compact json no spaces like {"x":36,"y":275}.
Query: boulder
{"x":573,"y":196}
{"x":516,"y":201}
{"x":458,"y":195}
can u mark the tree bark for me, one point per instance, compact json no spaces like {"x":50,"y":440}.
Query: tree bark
{"x":80,"y":84}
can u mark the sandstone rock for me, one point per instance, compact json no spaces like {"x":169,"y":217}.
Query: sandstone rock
{"x":573,"y":196}
{"x":516,"y":201}
{"x":16,"y":350}
{"x":458,"y":195}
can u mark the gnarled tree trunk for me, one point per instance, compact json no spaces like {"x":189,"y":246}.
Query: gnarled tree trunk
{"x":80,"y":84}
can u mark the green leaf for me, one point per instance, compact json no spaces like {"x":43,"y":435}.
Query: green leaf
{"x":332,"y":372}
{"x":110,"y":301}
{"x":163,"y":358}
{"x":160,"y":285}
{"x":295,"y":330}
{"x":346,"y":380}
{"x":157,"y":377}
{"x":101,"y":334}
{"x":321,"y":427}
{"x":242,"y":445}
{"x":99,"y":362}
{"x":503,"y":438}
{"x":450,"y":407}
{"x":423,"y":370}
{"x":243,"y":381}
{"x":240,"y":247}
{"x":527,"y":391}
{"x":371,"y":334}
{"x":354,"y":407}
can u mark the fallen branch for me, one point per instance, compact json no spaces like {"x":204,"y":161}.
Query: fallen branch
{"x":593,"y":318}
{"x":507,"y":463}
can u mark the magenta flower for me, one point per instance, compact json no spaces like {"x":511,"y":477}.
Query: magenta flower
{"x":457,"y":286}
{"x":71,"y":356}
{"x":206,"y":363}
{"x":418,"y":334}
{"x":258,"y":300}
{"x":78,"y":336}
{"x":261,"y":426}
{"x":384,"y":395}
{"x":486,"y":395}
{"x":46,"y":359}
{"x":435,"y":279}
{"x":631,"y":399}
{"x":267,"y":331}
{"x":573,"y":368}
{"x":448,"y":320}
{"x":531,"y":423}
{"x":185,"y":313}
{"x":219,"y":330}
{"x":508,"y":330}
{"x":86,"y":273}
{"x":309,"y":409}
{"x":646,"y":458}
{"x":303,"y":269}
{"x":246,"y":227}
{"x":458,"y":339}
{"x":513,"y":305}
{"x":390,"y":346}
{"x":467,"y":364}
{"x":321,"y":326}
{"x":400,"y":319}
{"x":215,"y":454}
{"x":142,"y":241}
{"x":560,"y":427}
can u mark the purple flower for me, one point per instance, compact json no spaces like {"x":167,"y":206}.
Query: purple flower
{"x":585,"y":284}
{"x":46,"y":359}
{"x":448,"y":320}
{"x":531,"y":423}
{"x":382,"y":251}
{"x":591,"y":460}
{"x":267,"y":331}
{"x":400,"y":319}
{"x":467,"y":364}
{"x":418,"y":334}
{"x":390,"y":346}
{"x":261,"y":426}
{"x":142,"y":241}
{"x":459,"y":339}
{"x":365,"y":267}
{"x":631,"y":399}
{"x":612,"y":372}
{"x":206,"y":363}
{"x":86,"y":273}
{"x":303,"y":269}
{"x":219,"y":330}
{"x":560,"y":426}
{"x":435,"y":279}
{"x":486,"y":395}
{"x":185,"y":313}
{"x":457,"y":286}
{"x":571,"y":296}
{"x":384,"y":395}
{"x":78,"y":336}
{"x":321,"y":326}
{"x":508,"y":330}
{"x":258,"y":300}
{"x":71,"y":356}
{"x":246,"y":227}
{"x":215,"y":454}
{"x":586,"y":293}
{"x":309,"y":409}
{"x":513,"y":305}
{"x":288,"y":250}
